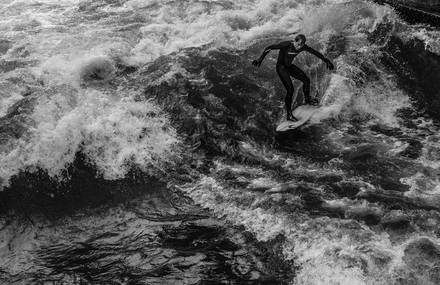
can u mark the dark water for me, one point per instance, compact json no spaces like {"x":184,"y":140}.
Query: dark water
{"x":152,"y":240}
{"x":137,"y":145}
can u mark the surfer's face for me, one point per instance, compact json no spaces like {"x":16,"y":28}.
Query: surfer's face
{"x":298,"y":43}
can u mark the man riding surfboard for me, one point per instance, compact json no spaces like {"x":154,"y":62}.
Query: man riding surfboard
{"x":285,"y":68}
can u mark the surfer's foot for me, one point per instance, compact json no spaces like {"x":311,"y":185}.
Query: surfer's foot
{"x":313,"y":102}
{"x":292,"y":118}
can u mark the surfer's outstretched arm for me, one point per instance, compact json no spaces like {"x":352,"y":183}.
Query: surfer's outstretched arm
{"x":320,"y":56}
{"x":258,"y":62}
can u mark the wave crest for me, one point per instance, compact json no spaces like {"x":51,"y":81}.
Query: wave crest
{"x":114,"y":134}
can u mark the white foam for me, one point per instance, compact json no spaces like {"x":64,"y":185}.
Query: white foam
{"x":6,"y":102}
{"x":423,"y":186}
{"x":114,"y":133}
{"x":431,"y":150}
{"x":327,"y":251}
{"x":431,"y":38}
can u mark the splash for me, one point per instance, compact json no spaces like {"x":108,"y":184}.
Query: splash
{"x":325,"y":250}
{"x":328,"y":251}
{"x":114,"y":133}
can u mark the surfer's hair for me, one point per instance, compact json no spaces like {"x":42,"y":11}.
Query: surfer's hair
{"x":301,"y":37}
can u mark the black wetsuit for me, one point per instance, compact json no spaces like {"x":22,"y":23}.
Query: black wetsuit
{"x":285,"y":69}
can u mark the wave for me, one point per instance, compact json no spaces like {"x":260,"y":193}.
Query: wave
{"x":112,"y":130}
{"x":327,"y":249}
{"x":166,"y":89}
{"x":93,"y":103}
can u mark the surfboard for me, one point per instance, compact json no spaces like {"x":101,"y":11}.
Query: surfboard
{"x":303,"y":113}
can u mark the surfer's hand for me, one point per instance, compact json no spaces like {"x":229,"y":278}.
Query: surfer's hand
{"x":256,"y":62}
{"x":329,"y":64}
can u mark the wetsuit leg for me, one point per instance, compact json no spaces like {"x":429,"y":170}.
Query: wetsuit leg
{"x":297,"y":73}
{"x":284,"y":75}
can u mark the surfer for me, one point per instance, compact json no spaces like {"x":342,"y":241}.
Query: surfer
{"x":285,"y":68}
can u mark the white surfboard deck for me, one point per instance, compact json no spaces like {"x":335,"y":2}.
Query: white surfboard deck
{"x":303,"y":113}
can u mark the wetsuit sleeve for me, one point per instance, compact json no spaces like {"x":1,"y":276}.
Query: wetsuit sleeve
{"x":315,"y":53}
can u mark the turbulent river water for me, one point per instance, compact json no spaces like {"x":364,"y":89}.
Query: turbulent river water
{"x":137,"y":145}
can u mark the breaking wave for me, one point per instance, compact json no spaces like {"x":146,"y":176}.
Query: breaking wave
{"x":166,"y":88}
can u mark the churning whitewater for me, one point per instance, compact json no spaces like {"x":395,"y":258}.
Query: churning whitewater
{"x":138,"y":145}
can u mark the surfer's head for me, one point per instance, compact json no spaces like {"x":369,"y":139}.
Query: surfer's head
{"x":299,"y":41}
